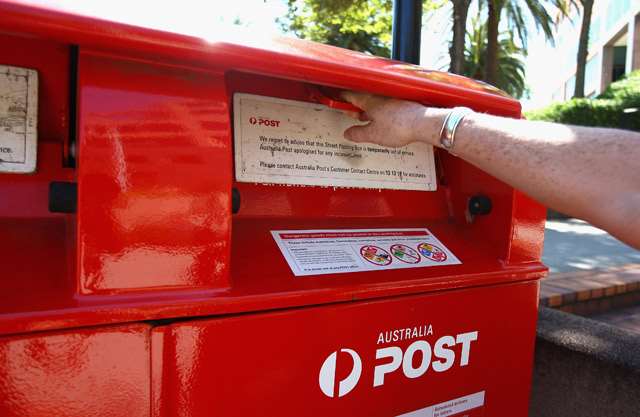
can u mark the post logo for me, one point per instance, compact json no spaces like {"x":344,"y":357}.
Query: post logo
{"x":413,"y":361}
{"x":261,"y":121}
{"x":327,"y":377}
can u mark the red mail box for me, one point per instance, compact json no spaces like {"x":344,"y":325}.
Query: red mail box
{"x":195,"y":223}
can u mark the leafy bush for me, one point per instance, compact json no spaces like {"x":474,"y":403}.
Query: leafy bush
{"x":606,"y":110}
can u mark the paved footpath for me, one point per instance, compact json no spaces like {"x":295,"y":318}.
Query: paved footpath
{"x":589,"y":267}
{"x":574,"y":245}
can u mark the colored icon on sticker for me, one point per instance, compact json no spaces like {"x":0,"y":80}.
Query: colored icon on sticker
{"x":405,"y":254}
{"x":375,"y":255}
{"x":432,"y":252}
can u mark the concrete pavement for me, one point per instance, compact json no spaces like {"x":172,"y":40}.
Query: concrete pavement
{"x":574,"y":245}
{"x":591,"y":274}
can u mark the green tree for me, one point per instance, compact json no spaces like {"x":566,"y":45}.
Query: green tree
{"x":359,"y":25}
{"x":510,"y":59}
{"x":515,"y":13}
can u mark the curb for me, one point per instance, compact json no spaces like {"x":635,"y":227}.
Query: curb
{"x":563,"y":289}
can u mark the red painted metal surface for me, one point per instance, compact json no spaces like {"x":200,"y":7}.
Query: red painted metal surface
{"x":151,"y":238}
{"x":102,"y":372}
{"x":269,"y":364}
{"x":154,"y":237}
{"x":154,"y":177}
{"x":37,"y":247}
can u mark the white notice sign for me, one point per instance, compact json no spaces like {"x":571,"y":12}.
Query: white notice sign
{"x":453,"y":408}
{"x":316,"y":252}
{"x":293,"y":142}
{"x":18,"y":119}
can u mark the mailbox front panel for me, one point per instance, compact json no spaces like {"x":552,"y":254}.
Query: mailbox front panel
{"x":93,"y":372}
{"x":465,"y":352}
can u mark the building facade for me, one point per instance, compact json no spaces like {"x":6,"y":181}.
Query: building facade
{"x":614,"y":48}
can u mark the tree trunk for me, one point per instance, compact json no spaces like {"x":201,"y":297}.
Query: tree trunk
{"x":583,"y":47}
{"x":491,"y":60}
{"x":456,"y":51}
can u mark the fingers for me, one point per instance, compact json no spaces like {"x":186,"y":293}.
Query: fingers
{"x":357,"y":99}
{"x":359,"y":116}
{"x":361,"y":100}
{"x":352,"y":114}
{"x":364,"y":101}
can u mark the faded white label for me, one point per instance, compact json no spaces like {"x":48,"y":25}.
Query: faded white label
{"x":18,"y":119}
{"x":293,"y":142}
{"x":316,"y":252}
{"x":451,"y":408}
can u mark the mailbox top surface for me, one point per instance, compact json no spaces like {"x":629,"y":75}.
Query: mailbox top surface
{"x":115,"y":31}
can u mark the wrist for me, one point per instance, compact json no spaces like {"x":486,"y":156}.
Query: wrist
{"x":430,"y":124}
{"x":449,"y":128}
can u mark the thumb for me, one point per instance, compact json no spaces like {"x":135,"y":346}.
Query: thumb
{"x":357,"y":134}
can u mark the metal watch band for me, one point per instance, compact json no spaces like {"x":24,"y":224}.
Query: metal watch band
{"x":451,"y":122}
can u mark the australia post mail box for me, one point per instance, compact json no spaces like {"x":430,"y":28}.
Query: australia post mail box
{"x":195,"y":201}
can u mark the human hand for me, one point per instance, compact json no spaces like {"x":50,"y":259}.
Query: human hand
{"x":394,"y":123}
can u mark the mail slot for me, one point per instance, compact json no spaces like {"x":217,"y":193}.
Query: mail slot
{"x":197,"y":201}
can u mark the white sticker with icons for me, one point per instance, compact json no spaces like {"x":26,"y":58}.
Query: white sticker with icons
{"x":316,"y":252}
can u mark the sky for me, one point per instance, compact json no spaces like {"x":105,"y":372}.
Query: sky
{"x":209,"y":19}
{"x":436,"y":32}
{"x":215,"y":19}
{"x":537,"y":67}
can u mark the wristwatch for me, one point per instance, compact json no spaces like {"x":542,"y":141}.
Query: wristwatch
{"x":451,"y":122}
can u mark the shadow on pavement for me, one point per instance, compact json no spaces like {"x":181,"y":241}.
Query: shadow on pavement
{"x":573,"y":244}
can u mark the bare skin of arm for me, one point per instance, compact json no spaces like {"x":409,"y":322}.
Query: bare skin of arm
{"x":589,"y":173}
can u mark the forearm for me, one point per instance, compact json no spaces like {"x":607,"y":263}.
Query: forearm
{"x":589,"y":173}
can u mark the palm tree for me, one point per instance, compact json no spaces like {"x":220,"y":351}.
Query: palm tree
{"x":510,"y":59}
{"x":514,"y":11}
{"x":493,"y":21}
{"x":456,"y":51}
{"x":583,"y":47}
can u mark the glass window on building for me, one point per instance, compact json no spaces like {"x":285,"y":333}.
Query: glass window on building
{"x":619,"y":62}
{"x":570,"y":87}
{"x":617,"y":9}
{"x":594,"y":32}
{"x":570,"y":56}
{"x":557,"y":95}
{"x":592,"y":74}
